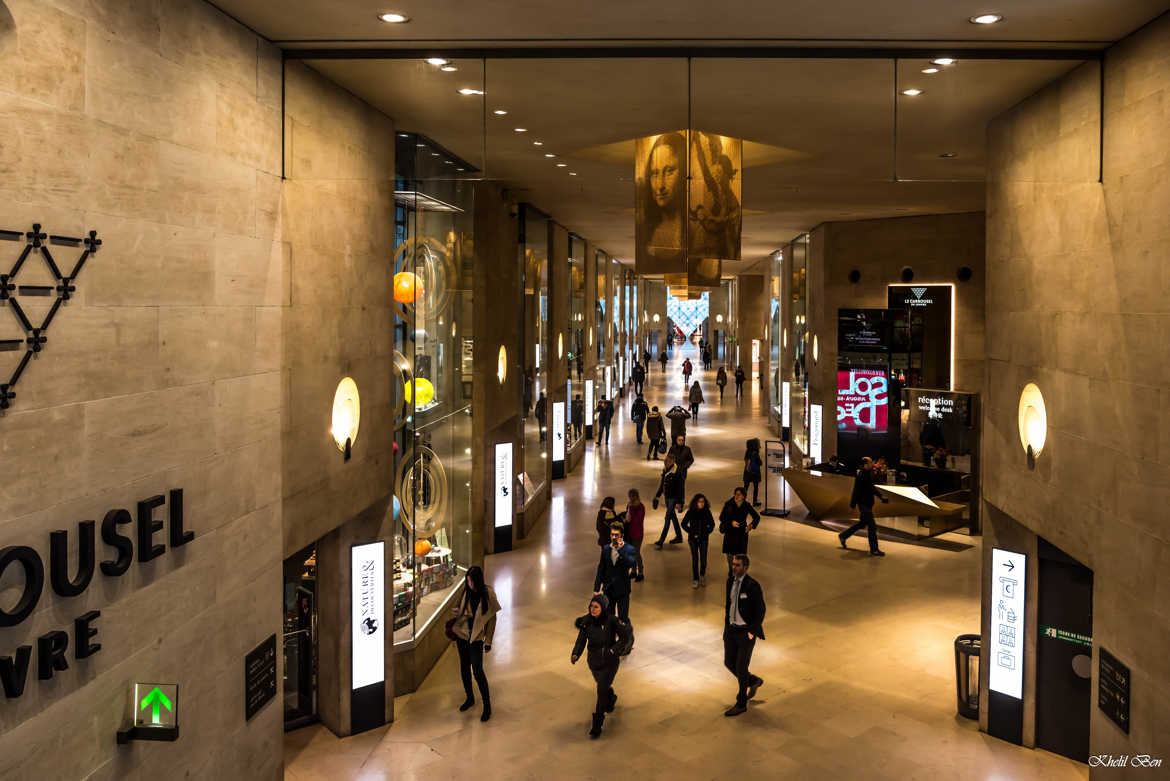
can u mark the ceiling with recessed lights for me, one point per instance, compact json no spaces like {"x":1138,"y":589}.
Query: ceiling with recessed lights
{"x":825,"y":139}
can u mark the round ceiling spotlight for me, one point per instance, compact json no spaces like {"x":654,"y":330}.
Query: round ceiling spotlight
{"x":561,"y":165}
{"x":912,"y":92}
{"x":948,"y":155}
{"x":944,"y":61}
{"x":448,"y":68}
{"x":436,"y":61}
{"x":392,"y":17}
{"x":930,"y":70}
{"x":986,"y":19}
{"x":572,"y":173}
{"x":470,"y":91}
{"x":520,"y":129}
{"x":499,"y":112}
{"x":549,"y":154}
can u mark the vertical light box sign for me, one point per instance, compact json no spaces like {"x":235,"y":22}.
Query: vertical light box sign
{"x":1007,"y":622}
{"x":558,"y":437}
{"x":568,"y":403}
{"x":368,"y":671}
{"x":785,"y":403}
{"x":814,"y":432}
{"x":589,"y":409}
{"x":608,"y":382}
{"x":503,"y":481}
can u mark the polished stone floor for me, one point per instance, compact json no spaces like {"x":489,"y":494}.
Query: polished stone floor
{"x":858,"y":662}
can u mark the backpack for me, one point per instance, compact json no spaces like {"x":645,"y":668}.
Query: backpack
{"x":625,"y":649}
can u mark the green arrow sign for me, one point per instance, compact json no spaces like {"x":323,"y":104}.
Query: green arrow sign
{"x":154,"y":701}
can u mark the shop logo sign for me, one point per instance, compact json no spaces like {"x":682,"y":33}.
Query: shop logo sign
{"x":918,"y":300}
{"x":918,"y":292}
{"x":61,"y":290}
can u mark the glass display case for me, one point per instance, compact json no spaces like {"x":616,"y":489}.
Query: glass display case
{"x":798,"y":323}
{"x":776,"y":335}
{"x":431,"y":382}
{"x":537,"y":413}
{"x":576,"y":345}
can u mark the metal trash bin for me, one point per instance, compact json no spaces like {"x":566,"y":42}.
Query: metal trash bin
{"x":967,"y":674}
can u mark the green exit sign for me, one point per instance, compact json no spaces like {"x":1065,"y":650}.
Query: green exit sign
{"x":156,"y":713}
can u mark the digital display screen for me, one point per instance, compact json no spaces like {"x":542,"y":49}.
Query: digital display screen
{"x":863,"y":330}
{"x":863,"y":400}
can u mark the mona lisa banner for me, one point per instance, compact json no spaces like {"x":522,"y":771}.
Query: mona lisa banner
{"x":681,"y":229}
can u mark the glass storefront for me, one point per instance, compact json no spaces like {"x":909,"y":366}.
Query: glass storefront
{"x":798,"y":323}
{"x":431,"y":364}
{"x":776,"y":335}
{"x":537,"y":412}
{"x":300,"y":638}
{"x":576,"y":346}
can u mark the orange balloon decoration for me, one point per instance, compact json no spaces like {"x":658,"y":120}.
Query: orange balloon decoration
{"x":407,"y":287}
{"x":422,"y":547}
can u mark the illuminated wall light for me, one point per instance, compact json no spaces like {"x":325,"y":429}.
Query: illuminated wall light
{"x":1033,"y":422}
{"x":656,"y":317}
{"x":448,"y":68}
{"x":499,"y":112}
{"x":560,"y":345}
{"x":391,"y":17}
{"x":718,"y":318}
{"x":816,"y":349}
{"x":436,"y":61}
{"x":538,"y":143}
{"x":470,"y":91}
{"x":986,"y":19}
{"x":502,"y":365}
{"x":912,"y":92}
{"x":347,"y":409}
{"x":930,"y":70}
{"x":944,"y":61}
{"x":520,"y":129}
{"x":549,"y":154}
{"x":562,"y":165}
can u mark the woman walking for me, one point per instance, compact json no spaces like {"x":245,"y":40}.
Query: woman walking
{"x":605,"y":516}
{"x":635,"y":530}
{"x":473,"y":626}
{"x":670,"y":486}
{"x":734,"y":525}
{"x":752,"y":467}
{"x":606,"y":640}
{"x":721,"y":381}
{"x":696,"y":399}
{"x":686,"y":367}
{"x":698,"y":523}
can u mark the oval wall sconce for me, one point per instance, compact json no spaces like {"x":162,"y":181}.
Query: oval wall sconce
{"x":347,"y":409}
{"x":784,"y":335}
{"x":656,"y":318}
{"x":718,"y":318}
{"x":1033,"y":422}
{"x":560,"y":345}
{"x":816,"y":349}
{"x":502,"y":365}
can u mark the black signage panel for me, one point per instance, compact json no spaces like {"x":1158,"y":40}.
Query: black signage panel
{"x":259,"y":677}
{"x":1113,"y":689}
{"x":864,"y":330}
{"x":922,"y":334}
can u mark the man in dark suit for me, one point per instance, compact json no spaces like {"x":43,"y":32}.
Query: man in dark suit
{"x":864,"y":493}
{"x":618,"y":560}
{"x":743,"y":622}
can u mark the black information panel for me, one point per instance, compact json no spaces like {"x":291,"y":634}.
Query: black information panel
{"x":259,"y":677}
{"x":922,"y":335}
{"x":1113,"y":689}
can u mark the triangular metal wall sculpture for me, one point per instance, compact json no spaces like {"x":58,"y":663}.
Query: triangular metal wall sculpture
{"x":37,"y":243}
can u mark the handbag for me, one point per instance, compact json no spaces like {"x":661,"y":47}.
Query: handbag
{"x":449,"y":629}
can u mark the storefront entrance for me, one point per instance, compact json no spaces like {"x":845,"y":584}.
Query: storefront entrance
{"x":300,"y":639}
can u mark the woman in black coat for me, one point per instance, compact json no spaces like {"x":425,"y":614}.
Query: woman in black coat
{"x":698,"y":523}
{"x":606,"y":515}
{"x":607,"y":639}
{"x":734,"y":525}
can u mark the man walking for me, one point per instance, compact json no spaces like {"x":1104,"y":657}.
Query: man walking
{"x":743,"y":622}
{"x":739,"y":380}
{"x":618,"y":561}
{"x":638,"y":412}
{"x":604,"y":417}
{"x":578,"y":416}
{"x":864,"y":493}
{"x":638,"y":374}
{"x":541,"y":421}
{"x":656,"y":432}
{"x":662,"y":359}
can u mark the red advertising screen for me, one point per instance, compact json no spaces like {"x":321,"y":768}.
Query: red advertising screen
{"x":863,"y":398}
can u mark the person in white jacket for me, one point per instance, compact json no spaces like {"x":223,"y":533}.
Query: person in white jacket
{"x":473,"y":626}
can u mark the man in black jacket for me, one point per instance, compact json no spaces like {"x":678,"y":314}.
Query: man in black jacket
{"x":604,"y":417}
{"x":541,"y":422}
{"x":681,"y":452}
{"x":638,"y":375}
{"x":864,"y":493}
{"x":638,"y":412}
{"x":743,"y":622}
{"x":614,"y":570}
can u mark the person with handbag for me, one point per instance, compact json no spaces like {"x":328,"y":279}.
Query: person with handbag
{"x":473,"y":625}
{"x":671,"y":486}
{"x":752,"y":469}
{"x":606,"y":514}
{"x":734,"y":524}
{"x":656,"y":431}
{"x":634,"y":518}
{"x":606,"y":640}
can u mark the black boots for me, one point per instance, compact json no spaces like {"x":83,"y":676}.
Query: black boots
{"x":612,"y":701}
{"x":598,"y":719}
{"x":468,"y":704}
{"x":487,"y":708}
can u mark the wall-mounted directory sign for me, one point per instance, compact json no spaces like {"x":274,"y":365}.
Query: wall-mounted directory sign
{"x":1008,"y":571}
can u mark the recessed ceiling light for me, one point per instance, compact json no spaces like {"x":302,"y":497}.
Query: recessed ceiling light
{"x":912,"y":92}
{"x":448,"y":68}
{"x":947,"y":155}
{"x":944,"y":61}
{"x":420,"y":146}
{"x":538,"y":143}
{"x":434,"y":154}
{"x":572,"y":173}
{"x":404,"y":135}
{"x":561,"y":165}
{"x":394,"y":18}
{"x":986,"y":19}
{"x":930,"y":70}
{"x":436,"y":61}
{"x":458,"y":169}
{"x":470,"y":91}
{"x":499,"y":112}
{"x":520,"y":129}
{"x":549,"y":154}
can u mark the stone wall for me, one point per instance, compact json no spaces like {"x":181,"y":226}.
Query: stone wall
{"x":934,"y":246}
{"x":1076,"y":302}
{"x":157,"y":125}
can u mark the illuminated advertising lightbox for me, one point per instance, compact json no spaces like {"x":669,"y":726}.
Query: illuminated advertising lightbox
{"x":1007,"y":622}
{"x":814,"y":432}
{"x":367,"y":595}
{"x":569,"y":403}
{"x":558,"y":431}
{"x":588,"y":399}
{"x":863,"y":400}
{"x":608,"y":382}
{"x":785,"y":403}
{"x":503,"y":484}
